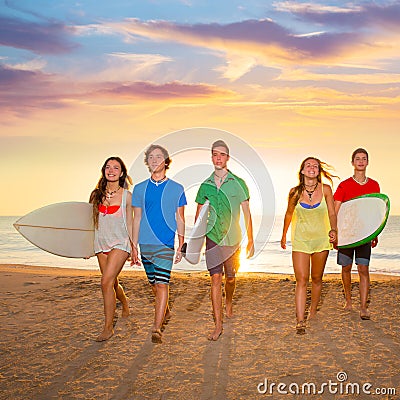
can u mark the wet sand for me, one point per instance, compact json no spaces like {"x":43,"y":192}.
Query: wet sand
{"x":51,"y":316}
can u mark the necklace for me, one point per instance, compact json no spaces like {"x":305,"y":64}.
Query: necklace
{"x":220,"y":178}
{"x":157,"y":182}
{"x":361,"y":183}
{"x":310,"y":192}
{"x":111,"y":194}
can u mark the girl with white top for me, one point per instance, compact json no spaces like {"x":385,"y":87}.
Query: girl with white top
{"x":112,"y":215}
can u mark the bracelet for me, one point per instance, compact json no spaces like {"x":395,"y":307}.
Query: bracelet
{"x":333,"y":230}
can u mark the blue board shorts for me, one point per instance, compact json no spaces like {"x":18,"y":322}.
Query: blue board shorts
{"x":157,"y":262}
{"x":362,"y":255}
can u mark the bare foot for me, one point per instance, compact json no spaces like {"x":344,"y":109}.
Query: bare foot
{"x":229,"y":310}
{"x":312,"y":314}
{"x":125,"y":308}
{"x":348,"y":306}
{"x":125,"y":311}
{"x":364,"y":314}
{"x":105,"y":335}
{"x":156,"y":336}
{"x":167,"y":317}
{"x":301,"y":328}
{"x":214,"y":336}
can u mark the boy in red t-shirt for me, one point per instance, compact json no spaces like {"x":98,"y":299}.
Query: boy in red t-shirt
{"x":358,"y":185}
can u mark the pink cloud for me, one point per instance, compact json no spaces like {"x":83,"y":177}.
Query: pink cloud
{"x":171,"y":90}
{"x":44,"y":38}
{"x":368,"y":14}
{"x":263,"y":38}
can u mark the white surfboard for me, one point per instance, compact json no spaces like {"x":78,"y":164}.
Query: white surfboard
{"x":197,"y":236}
{"x":64,"y":229}
{"x":362,"y":219}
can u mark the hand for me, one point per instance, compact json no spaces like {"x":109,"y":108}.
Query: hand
{"x":332,"y":236}
{"x":374,"y":242}
{"x":134,"y":256}
{"x":178,"y":256}
{"x":283,"y":243}
{"x":250,"y":249}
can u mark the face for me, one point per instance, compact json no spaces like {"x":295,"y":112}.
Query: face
{"x":113,"y":171}
{"x":156,"y":161}
{"x":311,"y":168}
{"x":360,"y":162}
{"x":219,"y":157}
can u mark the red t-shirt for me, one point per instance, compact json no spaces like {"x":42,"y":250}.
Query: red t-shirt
{"x":349,"y":189}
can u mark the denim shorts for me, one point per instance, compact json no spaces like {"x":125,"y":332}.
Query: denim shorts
{"x":222,"y":258}
{"x":362,"y":255}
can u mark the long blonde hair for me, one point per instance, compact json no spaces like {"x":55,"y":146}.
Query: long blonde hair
{"x":323,"y":169}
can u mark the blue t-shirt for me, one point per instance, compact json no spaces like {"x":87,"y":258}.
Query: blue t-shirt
{"x":159,"y":204}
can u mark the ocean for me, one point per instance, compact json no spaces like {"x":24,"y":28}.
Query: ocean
{"x":14,"y":249}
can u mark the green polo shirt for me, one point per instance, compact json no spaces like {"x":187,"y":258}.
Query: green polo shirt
{"x":223,"y":225}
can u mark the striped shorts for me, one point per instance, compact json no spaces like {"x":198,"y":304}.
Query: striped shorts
{"x":157,"y":262}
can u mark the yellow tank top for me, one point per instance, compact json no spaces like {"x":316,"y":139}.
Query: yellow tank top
{"x":310,"y":229}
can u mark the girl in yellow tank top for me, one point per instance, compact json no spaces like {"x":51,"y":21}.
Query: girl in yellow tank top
{"x":314,"y":229}
{"x":310,"y":228}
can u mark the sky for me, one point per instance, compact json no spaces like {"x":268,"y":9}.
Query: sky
{"x":84,"y":80}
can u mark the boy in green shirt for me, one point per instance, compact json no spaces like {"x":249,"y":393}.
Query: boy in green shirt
{"x":227,"y":194}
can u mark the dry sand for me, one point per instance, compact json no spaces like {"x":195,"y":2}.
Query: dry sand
{"x":50,"y":317}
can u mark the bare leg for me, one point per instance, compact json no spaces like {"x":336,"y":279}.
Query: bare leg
{"x":318,"y":261}
{"x":301,"y":265}
{"x":167,"y":309}
{"x":346,"y":280}
{"x":363,"y":273}
{"x":110,"y":266}
{"x":162,"y":294}
{"x":230,"y":285}
{"x":216,"y":299}
{"x":119,"y":291}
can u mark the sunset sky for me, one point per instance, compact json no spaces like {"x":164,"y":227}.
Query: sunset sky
{"x":83,"y":80}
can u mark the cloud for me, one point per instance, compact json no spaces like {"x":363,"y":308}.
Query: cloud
{"x":40,"y":38}
{"x":172,"y":90}
{"x":267,"y":41}
{"x":132,"y":67}
{"x":23,"y":92}
{"x":369,"y":14}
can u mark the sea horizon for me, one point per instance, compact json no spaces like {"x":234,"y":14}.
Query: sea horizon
{"x":270,"y":258}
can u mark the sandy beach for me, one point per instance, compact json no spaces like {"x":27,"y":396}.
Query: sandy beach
{"x":50,"y":317}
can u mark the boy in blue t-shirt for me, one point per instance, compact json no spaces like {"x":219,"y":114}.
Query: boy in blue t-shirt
{"x":158,"y":206}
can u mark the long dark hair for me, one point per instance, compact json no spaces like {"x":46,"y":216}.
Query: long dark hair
{"x":323,"y":169}
{"x":99,"y":193}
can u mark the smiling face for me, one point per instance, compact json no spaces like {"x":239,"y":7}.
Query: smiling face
{"x":310,"y":168}
{"x":112,"y":171}
{"x":219,"y":157}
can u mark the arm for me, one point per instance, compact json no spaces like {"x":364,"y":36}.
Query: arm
{"x":337,"y":206}
{"x":249,"y":228}
{"x":197,"y":212}
{"x":180,"y":222}
{"x":137,"y":216}
{"x":287,"y":220}
{"x":331,"y":213}
{"x":129,"y":217}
